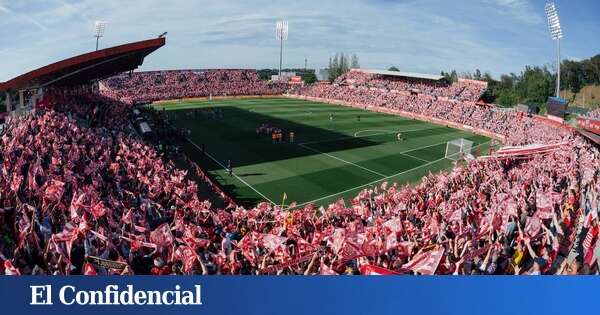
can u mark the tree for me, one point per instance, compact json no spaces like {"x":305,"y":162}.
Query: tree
{"x":309,"y":77}
{"x":334,"y":69}
{"x":535,"y":84}
{"x":572,"y":75}
{"x":393,"y":68}
{"x":341,"y":64}
{"x":344,"y":65}
{"x":354,"y":64}
{"x":453,"y":76}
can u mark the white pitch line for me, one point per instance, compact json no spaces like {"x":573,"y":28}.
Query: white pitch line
{"x":354,"y":137}
{"x":379,"y":180}
{"x":376,"y":132}
{"x":415,"y":157}
{"x":225,"y":168}
{"x":424,"y":147}
{"x":339,"y":159}
{"x":401,"y":153}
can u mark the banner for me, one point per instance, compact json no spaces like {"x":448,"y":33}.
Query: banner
{"x":426,"y":263}
{"x":105,"y":263}
{"x":372,"y":270}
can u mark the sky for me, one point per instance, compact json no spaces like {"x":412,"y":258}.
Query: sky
{"x":496,"y":36}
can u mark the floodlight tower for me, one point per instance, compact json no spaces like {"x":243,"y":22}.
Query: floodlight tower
{"x":281,"y":34}
{"x":557,"y":34}
{"x":99,"y":28}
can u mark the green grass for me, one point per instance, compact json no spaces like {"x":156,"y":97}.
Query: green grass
{"x":329,"y":159}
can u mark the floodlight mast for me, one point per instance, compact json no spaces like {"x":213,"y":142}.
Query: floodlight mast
{"x":281,"y":34}
{"x":99,"y":28}
{"x":556,"y":34}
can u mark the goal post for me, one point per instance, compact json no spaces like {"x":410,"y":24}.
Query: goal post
{"x":458,"y":149}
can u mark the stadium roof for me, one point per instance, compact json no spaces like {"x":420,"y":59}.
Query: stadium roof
{"x":84,"y":68}
{"x":403,"y":74}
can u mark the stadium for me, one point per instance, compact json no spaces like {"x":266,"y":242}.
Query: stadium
{"x":108,"y":170}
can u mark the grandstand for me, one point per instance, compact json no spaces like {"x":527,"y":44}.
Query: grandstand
{"x":414,"y":83}
{"x":91,"y":183}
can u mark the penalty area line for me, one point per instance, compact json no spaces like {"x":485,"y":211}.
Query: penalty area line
{"x":379,"y":180}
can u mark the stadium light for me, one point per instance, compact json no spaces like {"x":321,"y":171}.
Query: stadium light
{"x":99,"y":28}
{"x":556,"y":34}
{"x":281,"y":34}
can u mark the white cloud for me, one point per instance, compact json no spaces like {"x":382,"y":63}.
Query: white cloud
{"x":521,"y":10}
{"x":21,"y":17}
{"x":424,"y":35}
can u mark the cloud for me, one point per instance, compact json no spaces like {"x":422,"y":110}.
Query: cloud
{"x":22,"y":17}
{"x":420,"y":35}
{"x":521,"y":10}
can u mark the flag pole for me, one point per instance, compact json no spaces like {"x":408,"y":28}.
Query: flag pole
{"x":283,"y":200}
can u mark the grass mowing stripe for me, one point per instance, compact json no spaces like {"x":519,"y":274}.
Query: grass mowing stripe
{"x":235,"y":175}
{"x":414,"y":157}
{"x":355,"y":136}
{"x":379,"y":180}
{"x":342,"y":160}
{"x":316,"y":170}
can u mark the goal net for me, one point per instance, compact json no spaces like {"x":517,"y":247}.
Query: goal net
{"x":459,"y":149}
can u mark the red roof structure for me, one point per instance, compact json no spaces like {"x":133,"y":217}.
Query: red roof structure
{"x":87,"y":67}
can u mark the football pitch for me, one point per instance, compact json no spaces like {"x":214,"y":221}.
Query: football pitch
{"x":337,"y":150}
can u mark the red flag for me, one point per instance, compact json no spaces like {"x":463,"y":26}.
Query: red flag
{"x":426,"y":263}
{"x":88,"y":270}
{"x":497,"y":221}
{"x":31,"y":182}
{"x":395,"y":225}
{"x":484,"y":225}
{"x":544,"y":201}
{"x":372,"y":270}
{"x":336,"y":239}
{"x":187,"y":255}
{"x":511,"y":207}
{"x":54,"y":191}
{"x":325,"y":270}
{"x":455,"y":216}
{"x":10,"y":270}
{"x":409,"y":228}
{"x":15,"y":184}
{"x":533,"y":226}
{"x":272,"y":242}
{"x":434,"y":226}
{"x":77,"y":202}
{"x":98,"y":210}
{"x":390,"y":241}
{"x":246,"y":244}
{"x":478,"y":252}
{"x":404,"y":249}
{"x":189,"y":237}
{"x":162,"y":236}
{"x":68,"y":235}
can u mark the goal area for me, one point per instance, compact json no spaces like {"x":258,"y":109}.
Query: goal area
{"x":459,"y":149}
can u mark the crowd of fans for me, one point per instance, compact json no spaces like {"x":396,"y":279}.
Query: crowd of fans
{"x":463,"y":90}
{"x":595,"y":114}
{"x":519,"y":129}
{"x":139,"y":87}
{"x":86,"y":196}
